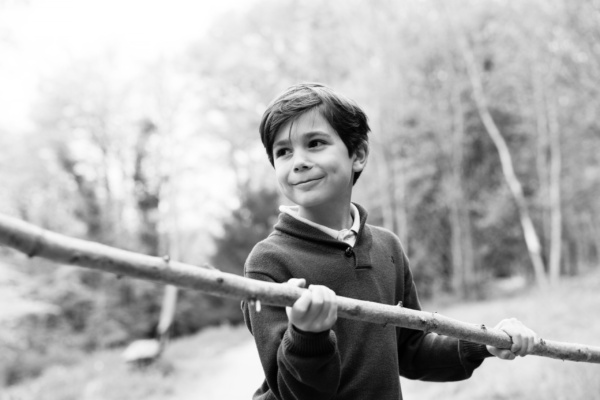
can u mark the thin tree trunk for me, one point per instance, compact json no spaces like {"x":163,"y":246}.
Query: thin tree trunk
{"x":463,"y":264}
{"x":555,"y":194}
{"x":169,"y":303}
{"x":590,"y":238}
{"x":549,"y":172}
{"x":595,"y":229}
{"x":459,"y":267}
{"x":531,"y":237}
{"x":35,"y":241}
{"x":385,"y":182}
{"x":471,"y":273}
{"x":458,"y":263}
{"x":169,"y":231}
{"x":399,"y":203}
{"x":542,"y":153}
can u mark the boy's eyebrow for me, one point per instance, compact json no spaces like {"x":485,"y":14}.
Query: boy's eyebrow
{"x":281,"y":142}
{"x":308,"y":134}
{"x":316,"y":132}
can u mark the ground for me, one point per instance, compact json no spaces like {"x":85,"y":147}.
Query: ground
{"x":229,"y":369}
{"x":221,"y":362}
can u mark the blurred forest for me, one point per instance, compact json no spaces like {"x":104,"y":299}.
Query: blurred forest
{"x":485,"y":156}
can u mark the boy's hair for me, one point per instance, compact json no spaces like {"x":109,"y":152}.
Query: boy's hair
{"x":343,"y":114}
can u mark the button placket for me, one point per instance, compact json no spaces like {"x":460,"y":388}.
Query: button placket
{"x":349,"y":252}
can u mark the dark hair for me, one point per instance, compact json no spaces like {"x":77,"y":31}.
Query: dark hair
{"x":343,"y":114}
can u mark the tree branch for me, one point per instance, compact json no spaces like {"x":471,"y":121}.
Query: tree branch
{"x":34,"y":241}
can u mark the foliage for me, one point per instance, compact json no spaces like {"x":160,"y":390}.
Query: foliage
{"x":249,"y":224}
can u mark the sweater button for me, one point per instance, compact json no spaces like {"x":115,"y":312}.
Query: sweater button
{"x":349,"y":252}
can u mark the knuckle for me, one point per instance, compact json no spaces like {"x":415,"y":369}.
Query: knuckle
{"x":299,"y":308}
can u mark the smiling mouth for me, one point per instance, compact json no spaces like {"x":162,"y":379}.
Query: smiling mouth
{"x":305,"y":182}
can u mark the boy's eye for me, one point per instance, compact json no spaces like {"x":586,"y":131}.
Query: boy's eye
{"x":281,"y":152}
{"x":316,"y":143}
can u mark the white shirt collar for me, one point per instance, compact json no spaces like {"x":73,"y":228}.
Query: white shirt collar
{"x":293,"y":211}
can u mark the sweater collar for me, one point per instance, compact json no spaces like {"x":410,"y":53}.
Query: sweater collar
{"x":293,"y":211}
{"x":291,"y":226}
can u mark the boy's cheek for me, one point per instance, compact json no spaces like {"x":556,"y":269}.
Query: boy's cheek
{"x":283,"y":188}
{"x":281,"y":177}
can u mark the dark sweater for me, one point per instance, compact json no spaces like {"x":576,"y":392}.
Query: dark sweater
{"x":355,"y":359}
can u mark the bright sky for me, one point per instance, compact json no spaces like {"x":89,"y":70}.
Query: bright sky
{"x":39,"y":36}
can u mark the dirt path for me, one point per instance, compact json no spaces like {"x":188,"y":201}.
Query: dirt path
{"x":228,"y":370}
{"x":236,"y":374}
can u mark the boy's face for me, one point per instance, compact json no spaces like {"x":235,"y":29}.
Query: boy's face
{"x":312,"y":164}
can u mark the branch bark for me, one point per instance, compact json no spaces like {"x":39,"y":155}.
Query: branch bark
{"x":34,"y":241}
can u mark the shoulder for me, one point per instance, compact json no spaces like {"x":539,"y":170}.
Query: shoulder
{"x":269,"y":258}
{"x":387,"y":241}
{"x":376,"y":233}
{"x":384,"y":235}
{"x":267,"y":248}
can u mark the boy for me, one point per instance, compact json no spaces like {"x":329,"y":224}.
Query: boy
{"x":317,"y":142}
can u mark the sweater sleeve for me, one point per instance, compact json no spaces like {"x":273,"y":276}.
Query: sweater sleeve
{"x":296,"y":364}
{"x":432,"y":357}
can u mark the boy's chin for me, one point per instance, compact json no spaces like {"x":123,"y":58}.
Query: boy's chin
{"x":304,"y":203}
{"x":316,"y":200}
{"x":311,"y":204}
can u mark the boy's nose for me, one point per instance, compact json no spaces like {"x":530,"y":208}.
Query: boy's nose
{"x":301,"y":168}
{"x":301,"y":163}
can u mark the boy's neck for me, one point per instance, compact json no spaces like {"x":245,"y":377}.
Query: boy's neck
{"x":336,"y":217}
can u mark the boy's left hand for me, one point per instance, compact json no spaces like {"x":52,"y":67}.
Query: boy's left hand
{"x":523,"y":338}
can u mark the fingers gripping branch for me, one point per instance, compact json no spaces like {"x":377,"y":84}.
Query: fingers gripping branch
{"x":315,"y":310}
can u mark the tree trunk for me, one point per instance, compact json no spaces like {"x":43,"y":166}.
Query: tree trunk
{"x":170,"y":233}
{"x":555,"y":193}
{"x":458,"y":264}
{"x":531,"y":237}
{"x":549,"y":171}
{"x":595,"y":229}
{"x":590,"y":227}
{"x":541,"y":120}
{"x":399,"y":202}
{"x":462,"y":252}
{"x":385,"y":183}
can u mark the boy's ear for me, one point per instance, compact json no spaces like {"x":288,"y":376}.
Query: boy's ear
{"x":361,"y":155}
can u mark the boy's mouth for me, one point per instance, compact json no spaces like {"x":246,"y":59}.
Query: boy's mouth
{"x":306,"y":181}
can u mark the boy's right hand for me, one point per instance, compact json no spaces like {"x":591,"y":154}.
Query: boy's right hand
{"x":315,"y":310}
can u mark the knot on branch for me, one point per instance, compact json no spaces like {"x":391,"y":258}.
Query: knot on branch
{"x":36,"y":246}
{"x":433,"y":323}
{"x":354,"y":311}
